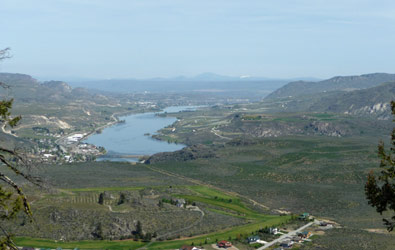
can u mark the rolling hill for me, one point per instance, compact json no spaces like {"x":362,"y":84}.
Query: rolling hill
{"x":57,"y":106}
{"x":338,"y":83}
{"x":374,"y":101}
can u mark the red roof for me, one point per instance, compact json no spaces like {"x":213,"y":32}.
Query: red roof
{"x":224,"y":243}
{"x":186,"y":247}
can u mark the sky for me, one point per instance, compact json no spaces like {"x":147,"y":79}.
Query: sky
{"x":103,"y":39}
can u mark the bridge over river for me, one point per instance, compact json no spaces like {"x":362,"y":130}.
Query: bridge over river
{"x":124,"y":156}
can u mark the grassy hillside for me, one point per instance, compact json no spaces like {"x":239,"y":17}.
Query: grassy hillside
{"x":374,"y":102}
{"x":319,"y":174}
{"x":336,"y":83}
{"x":254,"y":163}
{"x":68,"y":212}
{"x":217,"y":125}
{"x":56,"y":106}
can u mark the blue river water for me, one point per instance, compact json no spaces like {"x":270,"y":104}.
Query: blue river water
{"x":129,"y":138}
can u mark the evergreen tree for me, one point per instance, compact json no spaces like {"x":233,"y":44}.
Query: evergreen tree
{"x":12,"y":200}
{"x":122,"y":199}
{"x":380,"y":189}
{"x":101,"y":199}
{"x":147,"y":237}
{"x":98,"y":234}
{"x":139,"y":229}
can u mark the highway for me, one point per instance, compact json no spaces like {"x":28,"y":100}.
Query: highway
{"x":288,"y":235}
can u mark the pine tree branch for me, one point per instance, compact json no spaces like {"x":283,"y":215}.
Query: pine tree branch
{"x":21,"y":194}
{"x":9,"y":242}
{"x":34,"y":180}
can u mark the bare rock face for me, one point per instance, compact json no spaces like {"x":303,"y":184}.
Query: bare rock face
{"x":108,"y":195}
{"x":381,"y":110}
{"x":274,"y":130}
{"x":58,"y":86}
{"x":325,"y":128}
{"x":54,"y":216}
{"x":120,"y":228}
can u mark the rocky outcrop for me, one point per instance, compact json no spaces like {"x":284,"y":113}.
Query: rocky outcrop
{"x":381,"y":110}
{"x":325,"y":128}
{"x":188,"y":153}
{"x":58,"y":86}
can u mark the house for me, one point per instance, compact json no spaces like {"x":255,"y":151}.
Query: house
{"x":304,"y":234}
{"x":296,"y":239}
{"x":48,"y":155}
{"x":273,"y":230}
{"x":286,"y":244}
{"x":224,"y":244}
{"x":323,"y":224}
{"x":185,"y":247}
{"x":180,"y":202}
{"x":253,"y":239}
{"x":304,"y":216}
{"x":67,"y":158}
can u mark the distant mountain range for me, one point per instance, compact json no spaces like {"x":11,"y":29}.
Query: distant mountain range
{"x":368,"y":94}
{"x":207,"y":76}
{"x":343,"y":83}
{"x":243,"y":87}
{"x":212,"y":77}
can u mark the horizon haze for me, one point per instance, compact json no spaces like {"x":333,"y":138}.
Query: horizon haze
{"x":134,"y":39}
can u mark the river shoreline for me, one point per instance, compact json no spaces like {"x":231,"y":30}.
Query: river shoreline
{"x":130,"y":137}
{"x":63,"y":142}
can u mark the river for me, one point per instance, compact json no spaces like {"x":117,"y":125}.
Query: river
{"x":130,"y":138}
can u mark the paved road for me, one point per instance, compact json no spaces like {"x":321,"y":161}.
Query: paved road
{"x":288,"y":235}
{"x":62,"y":141}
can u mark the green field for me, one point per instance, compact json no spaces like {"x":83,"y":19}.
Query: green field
{"x":94,"y":244}
{"x":218,"y":202}
{"x":225,"y":235}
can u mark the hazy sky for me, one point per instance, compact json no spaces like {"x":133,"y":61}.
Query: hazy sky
{"x":147,"y":38}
